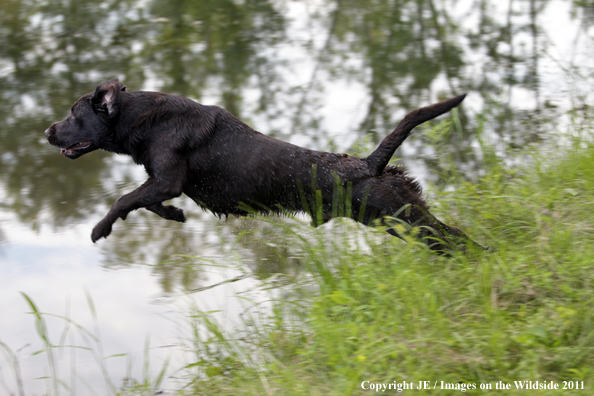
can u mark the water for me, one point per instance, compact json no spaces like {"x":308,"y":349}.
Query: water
{"x":321,"y":74}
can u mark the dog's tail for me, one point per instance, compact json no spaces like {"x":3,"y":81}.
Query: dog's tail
{"x":381,"y":156}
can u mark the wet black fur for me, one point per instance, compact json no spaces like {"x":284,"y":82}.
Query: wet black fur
{"x":226,"y":166}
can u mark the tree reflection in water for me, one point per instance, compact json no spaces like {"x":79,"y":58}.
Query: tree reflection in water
{"x":274,"y":64}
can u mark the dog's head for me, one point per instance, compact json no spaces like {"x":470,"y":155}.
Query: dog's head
{"x":91,"y":120}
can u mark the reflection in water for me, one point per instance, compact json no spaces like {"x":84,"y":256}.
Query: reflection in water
{"x":274,"y":64}
{"x":318,"y":73}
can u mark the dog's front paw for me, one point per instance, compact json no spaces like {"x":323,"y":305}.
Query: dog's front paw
{"x":101,"y":230}
{"x":173,"y":213}
{"x":168,"y":212}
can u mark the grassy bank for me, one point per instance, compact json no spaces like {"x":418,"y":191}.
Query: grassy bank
{"x":367,"y":307}
{"x":351,"y":307}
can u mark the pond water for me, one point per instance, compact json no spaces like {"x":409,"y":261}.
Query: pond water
{"x":328,"y":75}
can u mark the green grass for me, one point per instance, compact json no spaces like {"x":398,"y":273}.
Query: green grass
{"x":364,"y":306}
{"x":352,"y":304}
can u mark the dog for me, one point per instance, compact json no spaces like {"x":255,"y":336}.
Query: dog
{"x":227,"y":167}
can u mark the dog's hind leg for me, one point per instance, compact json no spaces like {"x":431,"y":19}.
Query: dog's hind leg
{"x":435,"y":234}
{"x":396,"y":198}
{"x":457,"y":237}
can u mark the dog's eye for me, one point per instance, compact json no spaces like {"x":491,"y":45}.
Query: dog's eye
{"x":99,"y":108}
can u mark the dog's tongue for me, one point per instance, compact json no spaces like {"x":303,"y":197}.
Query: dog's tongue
{"x":70,"y":150}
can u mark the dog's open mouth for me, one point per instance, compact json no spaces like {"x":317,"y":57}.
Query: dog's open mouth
{"x":72,"y":150}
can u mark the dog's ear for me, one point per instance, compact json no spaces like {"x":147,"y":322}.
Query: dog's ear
{"x":106,"y":98}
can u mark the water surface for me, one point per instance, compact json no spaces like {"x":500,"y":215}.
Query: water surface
{"x":328,"y":75}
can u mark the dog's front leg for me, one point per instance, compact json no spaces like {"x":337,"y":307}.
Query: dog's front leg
{"x":168,"y":212}
{"x":149,"y":195}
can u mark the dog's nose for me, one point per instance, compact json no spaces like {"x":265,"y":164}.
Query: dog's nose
{"x":48,"y":131}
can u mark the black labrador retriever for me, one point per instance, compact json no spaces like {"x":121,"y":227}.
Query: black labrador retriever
{"x":227,"y":167}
